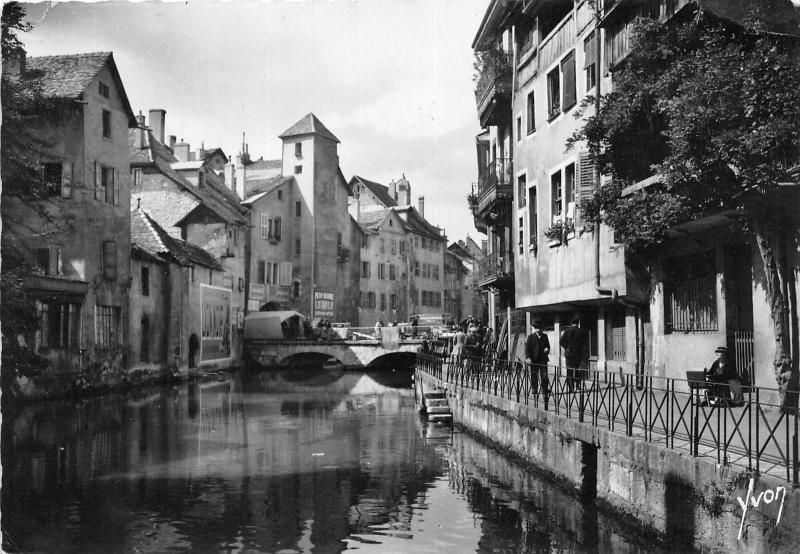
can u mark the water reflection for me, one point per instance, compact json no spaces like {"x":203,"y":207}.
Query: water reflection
{"x":311,"y":463}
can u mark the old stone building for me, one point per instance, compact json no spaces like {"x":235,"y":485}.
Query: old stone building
{"x":75,"y":235}
{"x":180,"y":315}
{"x":188,"y":198}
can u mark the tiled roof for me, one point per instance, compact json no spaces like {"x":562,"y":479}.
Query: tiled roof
{"x":373,"y":219}
{"x":157,"y":154}
{"x":258,"y":188}
{"x":309,"y":125}
{"x":265,"y":164}
{"x":417,"y":224}
{"x":68,"y":76}
{"x":149,"y":236}
{"x":381,"y":192}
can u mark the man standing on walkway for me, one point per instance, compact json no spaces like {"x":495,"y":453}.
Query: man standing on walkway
{"x":537,"y":354}
{"x":575,"y":342}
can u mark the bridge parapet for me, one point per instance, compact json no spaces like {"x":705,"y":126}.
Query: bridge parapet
{"x":351,"y":353}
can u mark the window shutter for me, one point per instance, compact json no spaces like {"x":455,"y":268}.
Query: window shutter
{"x":586,"y":181}
{"x":568,"y":73}
{"x":98,"y":182}
{"x":286,"y":274}
{"x":266,"y":272}
{"x":589,"y":51}
{"x":66,"y":179}
{"x":116,"y":188}
{"x":110,"y":259}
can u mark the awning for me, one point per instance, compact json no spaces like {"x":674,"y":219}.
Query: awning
{"x":267,"y":325}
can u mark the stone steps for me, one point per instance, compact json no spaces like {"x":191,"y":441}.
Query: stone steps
{"x":437,"y":407}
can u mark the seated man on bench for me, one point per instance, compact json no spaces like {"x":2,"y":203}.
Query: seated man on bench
{"x":724,"y":387}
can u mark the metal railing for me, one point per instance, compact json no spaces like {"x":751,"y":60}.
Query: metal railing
{"x":666,"y":411}
{"x":497,"y":265}
{"x":496,"y":67}
{"x":497,"y":173}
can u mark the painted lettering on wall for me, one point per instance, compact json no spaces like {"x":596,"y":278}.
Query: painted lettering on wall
{"x":323,"y":304}
{"x":767,"y":497}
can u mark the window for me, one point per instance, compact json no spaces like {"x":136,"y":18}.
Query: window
{"x":519,"y":128}
{"x":144,"y":339}
{"x":402,"y":247}
{"x":590,"y":61}
{"x":364,"y":241}
{"x":365,"y":270}
{"x":298,"y":149}
{"x":137,"y":177}
{"x":553,"y":94}
{"x":521,"y":191}
{"x":521,"y":228}
{"x":533,"y":220}
{"x":104,"y":91}
{"x":383,"y":245}
{"x":109,"y":259}
{"x":392,"y":272}
{"x":416,"y":269}
{"x":424,"y":243}
{"x":424,"y":271}
{"x":556,"y":196}
{"x":383,"y":301}
{"x":298,"y":169}
{"x":191,"y":273}
{"x":690,"y":294}
{"x":339,"y":243}
{"x":371,"y":300}
{"x":296,"y":289}
{"x":277,"y":233}
{"x":280,"y":195}
{"x":106,"y":326}
{"x":145,"y":281}
{"x":570,"y":95}
{"x":265,"y":227}
{"x":271,"y":272}
{"x":393,"y":301}
{"x":59,"y":324}
{"x":51,"y":174}
{"x":106,"y":186}
{"x":394,"y":246}
{"x":296,"y":247}
{"x":531,"y":126}
{"x":49,"y":259}
{"x":381,"y":271}
{"x":615,"y":334}
{"x":569,"y":190}
{"x":106,"y":124}
{"x":261,"y":268}
{"x":297,"y":209}
{"x":436,"y":272}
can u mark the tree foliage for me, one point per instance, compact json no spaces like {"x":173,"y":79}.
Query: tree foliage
{"x":712,"y":108}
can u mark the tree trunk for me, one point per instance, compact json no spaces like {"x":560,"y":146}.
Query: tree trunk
{"x":770,"y":247}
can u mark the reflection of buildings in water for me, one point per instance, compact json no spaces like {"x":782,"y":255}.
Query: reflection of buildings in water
{"x":533,"y":513}
{"x":271,"y":468}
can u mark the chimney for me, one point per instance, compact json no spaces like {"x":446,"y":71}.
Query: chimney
{"x":393,"y":190}
{"x":241,"y":175}
{"x":404,"y":191}
{"x":201,"y":152}
{"x":230,"y":176}
{"x":181,"y":151}
{"x":157,"y":122}
{"x":140,"y":131}
{"x":172,"y":140}
{"x":421,"y":206}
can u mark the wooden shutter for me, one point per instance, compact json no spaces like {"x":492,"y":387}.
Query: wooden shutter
{"x":110,"y":259}
{"x":116,"y":188}
{"x":589,"y":50}
{"x":286,"y":274}
{"x":66,"y":179}
{"x":585,"y":182}
{"x":98,"y":182}
{"x":569,"y":95}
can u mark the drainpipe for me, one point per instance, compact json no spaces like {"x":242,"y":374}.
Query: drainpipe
{"x":597,"y":166}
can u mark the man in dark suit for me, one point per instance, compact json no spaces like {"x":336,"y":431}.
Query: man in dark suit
{"x":575,"y":342}
{"x":537,"y":354}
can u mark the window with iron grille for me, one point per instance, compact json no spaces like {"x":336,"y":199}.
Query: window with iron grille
{"x":691,"y":294}
{"x":59,"y":324}
{"x":106,"y":326}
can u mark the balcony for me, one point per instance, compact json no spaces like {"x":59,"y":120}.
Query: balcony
{"x":495,"y":271}
{"x":493,"y":89}
{"x":493,"y":194}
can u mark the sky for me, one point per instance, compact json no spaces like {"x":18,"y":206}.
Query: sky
{"x":392,"y":79}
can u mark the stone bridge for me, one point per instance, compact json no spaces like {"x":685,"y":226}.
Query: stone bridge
{"x":352,"y":354}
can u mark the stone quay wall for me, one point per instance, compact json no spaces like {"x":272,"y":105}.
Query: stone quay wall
{"x":690,"y":502}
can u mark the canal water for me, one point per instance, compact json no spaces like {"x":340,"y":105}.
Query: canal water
{"x":317,"y":461}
